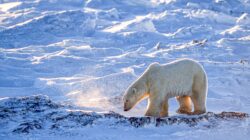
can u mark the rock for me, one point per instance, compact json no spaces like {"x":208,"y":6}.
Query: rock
{"x":28,"y":126}
{"x":39,"y":112}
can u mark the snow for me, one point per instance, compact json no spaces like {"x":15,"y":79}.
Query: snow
{"x":5,"y":7}
{"x":86,"y":53}
{"x":38,"y":113}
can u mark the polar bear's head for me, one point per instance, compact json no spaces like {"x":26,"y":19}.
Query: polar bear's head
{"x":135,"y":93}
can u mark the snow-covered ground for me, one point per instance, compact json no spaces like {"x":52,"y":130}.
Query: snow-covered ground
{"x":86,"y":53}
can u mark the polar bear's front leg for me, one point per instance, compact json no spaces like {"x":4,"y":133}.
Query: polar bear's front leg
{"x":157,"y":107}
{"x":153,"y":110}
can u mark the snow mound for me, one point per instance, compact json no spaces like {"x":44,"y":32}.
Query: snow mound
{"x":38,"y":113}
{"x":244,"y":19}
{"x":46,"y":29}
{"x":86,"y":53}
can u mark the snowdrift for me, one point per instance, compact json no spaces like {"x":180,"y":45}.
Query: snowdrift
{"x":33,"y":113}
{"x":83,"y":54}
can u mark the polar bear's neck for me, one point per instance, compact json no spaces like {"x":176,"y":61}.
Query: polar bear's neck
{"x":144,"y":80}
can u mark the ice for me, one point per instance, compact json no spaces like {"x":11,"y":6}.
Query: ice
{"x":84,"y":54}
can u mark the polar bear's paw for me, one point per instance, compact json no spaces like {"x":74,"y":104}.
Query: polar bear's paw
{"x":184,"y":111}
{"x":197,"y":112}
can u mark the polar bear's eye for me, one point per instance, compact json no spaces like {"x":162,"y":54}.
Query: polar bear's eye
{"x":134,"y":90}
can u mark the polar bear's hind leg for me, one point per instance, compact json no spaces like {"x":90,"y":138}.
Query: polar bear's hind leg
{"x":185,"y":105}
{"x":199,"y":94}
{"x":164,"y":110}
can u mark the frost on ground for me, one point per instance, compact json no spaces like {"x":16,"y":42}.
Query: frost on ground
{"x":25,"y":115}
{"x":84,"y":54}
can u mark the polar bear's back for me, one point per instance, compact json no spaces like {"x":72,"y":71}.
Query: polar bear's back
{"x":177,"y":75}
{"x":184,"y":66}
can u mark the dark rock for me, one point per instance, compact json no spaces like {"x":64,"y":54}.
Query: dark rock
{"x":28,"y":126}
{"x":232,"y":115}
{"x":39,"y":112}
{"x":112,"y":114}
{"x":139,"y":121}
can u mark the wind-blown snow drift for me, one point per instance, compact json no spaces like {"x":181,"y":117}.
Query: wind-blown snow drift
{"x":86,"y":53}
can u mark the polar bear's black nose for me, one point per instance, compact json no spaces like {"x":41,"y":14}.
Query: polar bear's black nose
{"x":125,"y":107}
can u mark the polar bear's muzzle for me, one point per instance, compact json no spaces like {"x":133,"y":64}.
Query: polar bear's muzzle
{"x":126,"y":106}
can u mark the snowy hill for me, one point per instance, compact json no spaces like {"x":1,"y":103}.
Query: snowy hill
{"x":84,"y":54}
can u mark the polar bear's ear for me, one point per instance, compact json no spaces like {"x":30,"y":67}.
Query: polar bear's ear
{"x":133,"y":90}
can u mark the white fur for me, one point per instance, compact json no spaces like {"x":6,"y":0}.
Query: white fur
{"x":184,"y":79}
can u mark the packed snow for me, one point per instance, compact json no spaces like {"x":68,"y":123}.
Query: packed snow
{"x":80,"y":56}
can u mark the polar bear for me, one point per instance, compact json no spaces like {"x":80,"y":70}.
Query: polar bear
{"x":184,"y":79}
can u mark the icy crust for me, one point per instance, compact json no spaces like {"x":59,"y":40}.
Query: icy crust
{"x":47,"y":28}
{"x":88,"y":52}
{"x":32,"y":113}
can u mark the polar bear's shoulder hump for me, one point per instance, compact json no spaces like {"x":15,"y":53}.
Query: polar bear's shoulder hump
{"x":154,"y":65}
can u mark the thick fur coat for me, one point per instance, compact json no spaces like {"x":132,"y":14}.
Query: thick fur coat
{"x":184,"y":79}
